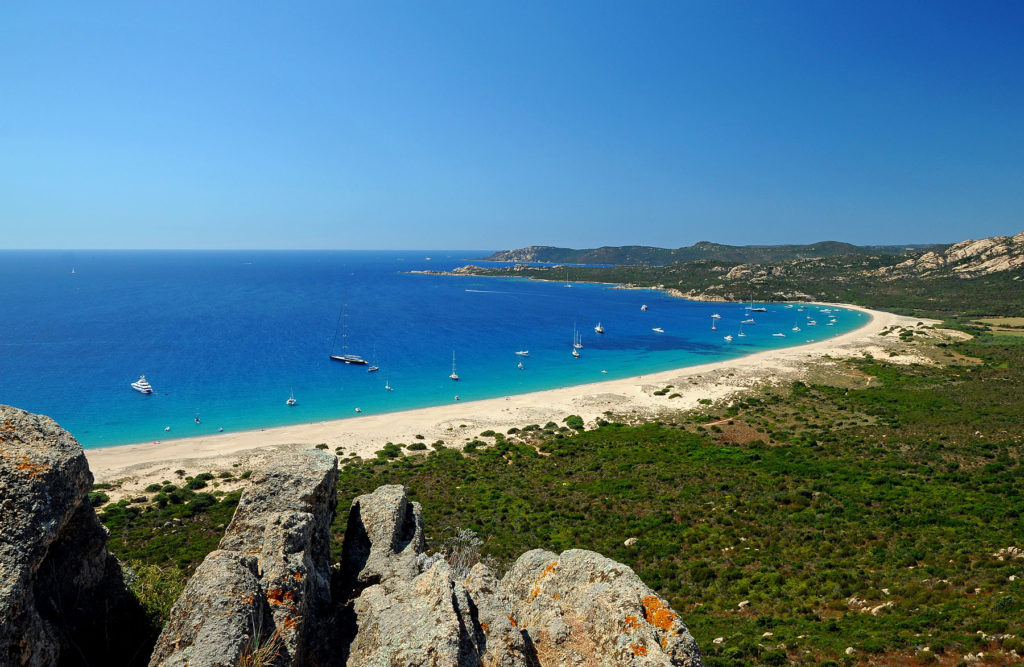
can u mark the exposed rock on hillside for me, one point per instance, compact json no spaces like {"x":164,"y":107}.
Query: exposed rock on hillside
{"x":55,"y":571}
{"x":383,"y":539}
{"x":268,"y":583}
{"x":577,"y":608}
{"x":582,"y":608}
{"x":966,"y":259}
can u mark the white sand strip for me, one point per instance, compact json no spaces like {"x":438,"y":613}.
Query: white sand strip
{"x":460,"y":422}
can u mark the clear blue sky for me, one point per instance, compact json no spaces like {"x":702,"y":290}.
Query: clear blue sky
{"x":499,"y":125}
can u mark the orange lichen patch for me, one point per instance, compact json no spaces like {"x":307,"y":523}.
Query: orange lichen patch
{"x":247,"y":599}
{"x":534,"y":593}
{"x":298,"y":576}
{"x":278,"y":596}
{"x":511,"y":620}
{"x":632,"y":623}
{"x":35,"y":470}
{"x":484,"y":626}
{"x":549,"y":569}
{"x":290,"y":623}
{"x":558,"y":596}
{"x":657,"y":613}
{"x":638,"y":649}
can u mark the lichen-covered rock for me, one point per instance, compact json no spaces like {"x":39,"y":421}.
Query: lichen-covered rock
{"x":582,"y":608}
{"x":55,"y":571}
{"x":383,"y":539}
{"x":431,"y":622}
{"x":269,"y":577}
{"x":221,"y":613}
{"x":501,"y":643}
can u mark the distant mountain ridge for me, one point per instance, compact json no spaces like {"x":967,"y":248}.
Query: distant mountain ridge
{"x":633,"y":255}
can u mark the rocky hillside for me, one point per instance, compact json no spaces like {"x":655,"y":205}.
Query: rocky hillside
{"x":634,"y":255}
{"x":268,"y":595}
{"x":967,"y":259}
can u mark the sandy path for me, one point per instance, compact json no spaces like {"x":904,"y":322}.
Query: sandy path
{"x":460,"y":422}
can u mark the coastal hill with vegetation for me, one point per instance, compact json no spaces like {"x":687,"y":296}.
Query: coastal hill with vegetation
{"x":972,"y":278}
{"x":636,"y":254}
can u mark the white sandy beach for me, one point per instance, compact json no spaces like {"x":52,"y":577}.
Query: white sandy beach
{"x":136,"y":465}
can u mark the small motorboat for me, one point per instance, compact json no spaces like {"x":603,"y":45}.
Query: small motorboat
{"x":658,"y":330}
{"x":523,"y":353}
{"x":142,"y":385}
{"x":728,"y":338}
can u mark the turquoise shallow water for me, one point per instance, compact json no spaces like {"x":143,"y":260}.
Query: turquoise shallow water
{"x":225,"y":336}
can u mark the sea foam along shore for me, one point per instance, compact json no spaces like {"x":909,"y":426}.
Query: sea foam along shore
{"x":458,"y":423}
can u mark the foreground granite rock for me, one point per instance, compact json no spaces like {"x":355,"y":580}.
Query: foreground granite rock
{"x":383,"y":539}
{"x":55,"y":572}
{"x":578,"y":608}
{"x":267,"y":586}
{"x":582,"y":608}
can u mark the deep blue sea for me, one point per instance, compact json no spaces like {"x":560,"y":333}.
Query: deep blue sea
{"x":226,"y":336}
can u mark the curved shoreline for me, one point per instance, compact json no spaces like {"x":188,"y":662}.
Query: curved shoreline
{"x":457,"y":423}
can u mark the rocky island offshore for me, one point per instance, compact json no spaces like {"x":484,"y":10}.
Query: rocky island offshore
{"x":268,"y":595}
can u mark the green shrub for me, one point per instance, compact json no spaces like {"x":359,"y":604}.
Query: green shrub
{"x":153,"y":488}
{"x":98,"y":498}
{"x":196,"y":484}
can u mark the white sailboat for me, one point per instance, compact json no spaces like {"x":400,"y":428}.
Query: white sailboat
{"x":291,"y":398}
{"x":373,"y":367}
{"x":344,"y":356}
{"x":387,"y":386}
{"x":520,"y":366}
{"x":454,"y":375}
{"x":577,"y":338}
{"x":575,"y":347}
{"x":599,"y":329}
{"x":567,"y":283}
